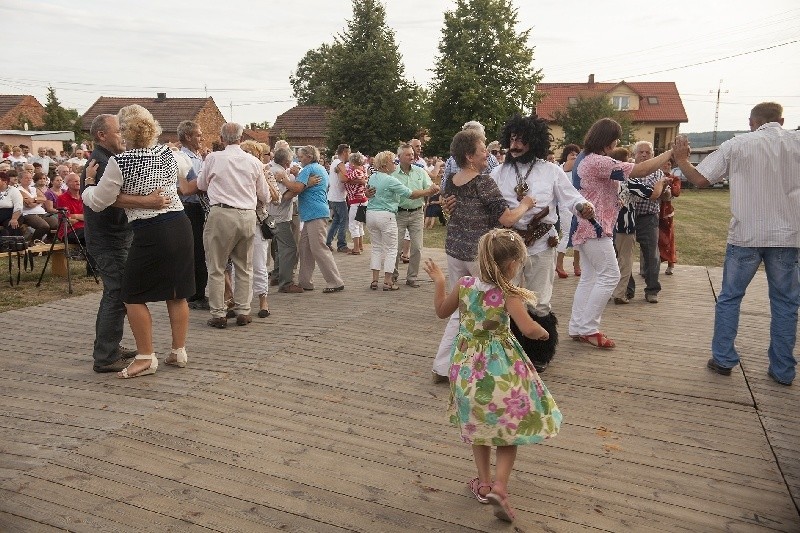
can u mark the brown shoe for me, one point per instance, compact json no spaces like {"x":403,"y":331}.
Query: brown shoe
{"x":126,"y":353}
{"x":274,"y":281}
{"x":243,"y":320}
{"x":344,"y":250}
{"x":621,"y":301}
{"x":291,"y":289}
{"x":219,"y":322}
{"x":438,"y":378}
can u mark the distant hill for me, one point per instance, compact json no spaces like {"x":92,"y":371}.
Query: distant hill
{"x":705,"y":138}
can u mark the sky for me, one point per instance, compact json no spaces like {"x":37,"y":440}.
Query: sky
{"x":241,"y":52}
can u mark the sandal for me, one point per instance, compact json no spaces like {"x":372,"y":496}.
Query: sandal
{"x":144,"y":372}
{"x":354,"y":252}
{"x":499,"y":500}
{"x":405,"y":259}
{"x":561,"y":273}
{"x":598,"y":340}
{"x":578,"y":271}
{"x":475,"y":486}
{"x":391,"y":287}
{"x":374,"y":285}
{"x":328,"y":290}
{"x":177,"y":357}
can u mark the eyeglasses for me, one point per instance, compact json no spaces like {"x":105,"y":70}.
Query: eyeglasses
{"x":495,"y":152}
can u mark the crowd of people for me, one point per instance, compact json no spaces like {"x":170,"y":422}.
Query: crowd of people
{"x":198,"y":230}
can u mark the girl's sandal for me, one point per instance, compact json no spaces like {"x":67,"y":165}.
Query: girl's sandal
{"x":475,"y":486}
{"x":598,"y":340}
{"x":499,"y":500}
{"x":374,"y":285}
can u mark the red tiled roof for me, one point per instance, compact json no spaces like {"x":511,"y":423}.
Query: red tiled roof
{"x":169,"y":112}
{"x":668,"y":109}
{"x":259,"y":135}
{"x":10,"y":101}
{"x":302,"y":121}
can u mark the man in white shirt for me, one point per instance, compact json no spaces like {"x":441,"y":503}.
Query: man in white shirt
{"x":42,"y":159}
{"x":78,"y":158}
{"x":337,"y":200}
{"x":284,"y":239}
{"x":762,"y":168}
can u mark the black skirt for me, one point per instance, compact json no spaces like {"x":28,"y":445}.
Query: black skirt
{"x":160,"y":263}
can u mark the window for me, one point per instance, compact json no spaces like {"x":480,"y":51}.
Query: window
{"x":652,"y":100}
{"x":620,"y":103}
{"x":573,"y":100}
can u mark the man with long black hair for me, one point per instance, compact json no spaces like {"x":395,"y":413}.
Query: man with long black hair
{"x":526,"y":172}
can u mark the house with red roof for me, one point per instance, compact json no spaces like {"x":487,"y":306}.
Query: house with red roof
{"x":16,"y":109}
{"x":655,"y":107}
{"x":302,"y":125}
{"x":169,"y":112}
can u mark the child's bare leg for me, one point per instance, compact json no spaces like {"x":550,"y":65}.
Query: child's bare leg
{"x":482,"y":455}
{"x":506,"y":455}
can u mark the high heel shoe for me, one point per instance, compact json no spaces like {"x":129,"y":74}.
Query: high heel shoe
{"x":145,"y":372}
{"x":177,"y":357}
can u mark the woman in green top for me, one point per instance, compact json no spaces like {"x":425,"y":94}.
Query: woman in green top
{"x":382,"y":220}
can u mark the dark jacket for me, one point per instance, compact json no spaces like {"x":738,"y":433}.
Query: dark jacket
{"x":108,"y":228}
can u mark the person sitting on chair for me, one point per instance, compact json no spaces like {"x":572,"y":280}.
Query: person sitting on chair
{"x":71,"y":201}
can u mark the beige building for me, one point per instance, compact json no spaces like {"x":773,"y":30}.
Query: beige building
{"x":656,"y":108}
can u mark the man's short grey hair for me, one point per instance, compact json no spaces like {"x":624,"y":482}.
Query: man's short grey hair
{"x":474,"y":125}
{"x":640,"y":143}
{"x":231,"y":132}
{"x":404,"y":146}
{"x":99,"y":124}
{"x":283,"y":156}
{"x":186,"y":128}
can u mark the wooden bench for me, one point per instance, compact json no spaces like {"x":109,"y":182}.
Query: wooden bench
{"x":58,"y":257}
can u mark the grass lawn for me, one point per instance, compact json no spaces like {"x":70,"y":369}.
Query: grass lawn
{"x":701,"y":228}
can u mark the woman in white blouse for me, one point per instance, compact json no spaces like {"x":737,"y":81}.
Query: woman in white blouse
{"x":160,"y":265}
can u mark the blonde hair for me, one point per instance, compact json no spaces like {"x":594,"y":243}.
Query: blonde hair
{"x":310,"y":151}
{"x":496,"y":249}
{"x":382,"y":161}
{"x":253,"y":148}
{"x":138,"y":127}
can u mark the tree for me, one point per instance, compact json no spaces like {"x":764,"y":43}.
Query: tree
{"x":362,"y":78}
{"x":484,"y":70}
{"x":57,"y":118}
{"x":310,"y":82}
{"x":577,"y":118}
{"x":258,"y":125}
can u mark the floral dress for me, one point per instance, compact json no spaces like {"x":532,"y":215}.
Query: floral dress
{"x":496,"y":396}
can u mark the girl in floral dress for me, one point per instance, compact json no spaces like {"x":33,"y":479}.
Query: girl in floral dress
{"x":497,"y":398}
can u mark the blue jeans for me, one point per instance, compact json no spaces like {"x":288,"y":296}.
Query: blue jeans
{"x":338,"y":224}
{"x":783,"y":278}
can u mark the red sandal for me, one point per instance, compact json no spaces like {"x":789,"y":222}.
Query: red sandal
{"x":598,"y":340}
{"x":475,"y":486}
{"x":561,"y":273}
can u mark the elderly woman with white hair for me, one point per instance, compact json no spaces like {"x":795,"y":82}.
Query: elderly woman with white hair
{"x":382,"y":217}
{"x":159,"y":265}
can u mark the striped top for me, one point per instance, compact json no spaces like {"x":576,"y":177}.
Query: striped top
{"x":763,"y":170}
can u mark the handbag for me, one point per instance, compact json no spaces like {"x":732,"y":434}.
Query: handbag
{"x":361,"y":214}
{"x":267,"y":227}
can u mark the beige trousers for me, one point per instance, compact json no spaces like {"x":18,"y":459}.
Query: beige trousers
{"x":623,"y":242}
{"x":229,"y":233}
{"x":313,"y":251}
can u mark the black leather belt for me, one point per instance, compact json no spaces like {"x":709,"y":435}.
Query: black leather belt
{"x":226,"y":206}
{"x":409,"y":210}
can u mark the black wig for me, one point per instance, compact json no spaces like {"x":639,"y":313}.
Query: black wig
{"x":533,"y":131}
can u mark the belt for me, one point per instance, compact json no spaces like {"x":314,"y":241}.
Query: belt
{"x":409,"y":210}
{"x":226,"y":206}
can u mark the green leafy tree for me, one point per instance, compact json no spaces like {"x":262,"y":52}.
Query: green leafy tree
{"x":577,"y":118}
{"x":484,"y":70}
{"x":311,"y":81}
{"x":58,"y":118}
{"x":374,"y":105}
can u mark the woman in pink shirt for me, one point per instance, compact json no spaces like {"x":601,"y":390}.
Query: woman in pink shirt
{"x":600,"y":176}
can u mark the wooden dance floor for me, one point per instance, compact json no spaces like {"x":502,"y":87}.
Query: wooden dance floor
{"x":323,"y":417}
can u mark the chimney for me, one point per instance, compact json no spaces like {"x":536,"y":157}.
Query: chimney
{"x":163,"y":96}
{"x":591,"y":79}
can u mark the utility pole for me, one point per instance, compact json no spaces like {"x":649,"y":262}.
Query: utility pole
{"x":716,"y":113}
{"x":231,"y":104}
{"x":205,"y":87}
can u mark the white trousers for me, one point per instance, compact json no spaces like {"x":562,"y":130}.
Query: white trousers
{"x":455,"y":270}
{"x":537,"y":275}
{"x":382,"y":226}
{"x":599,"y":277}
{"x":356,"y":228}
